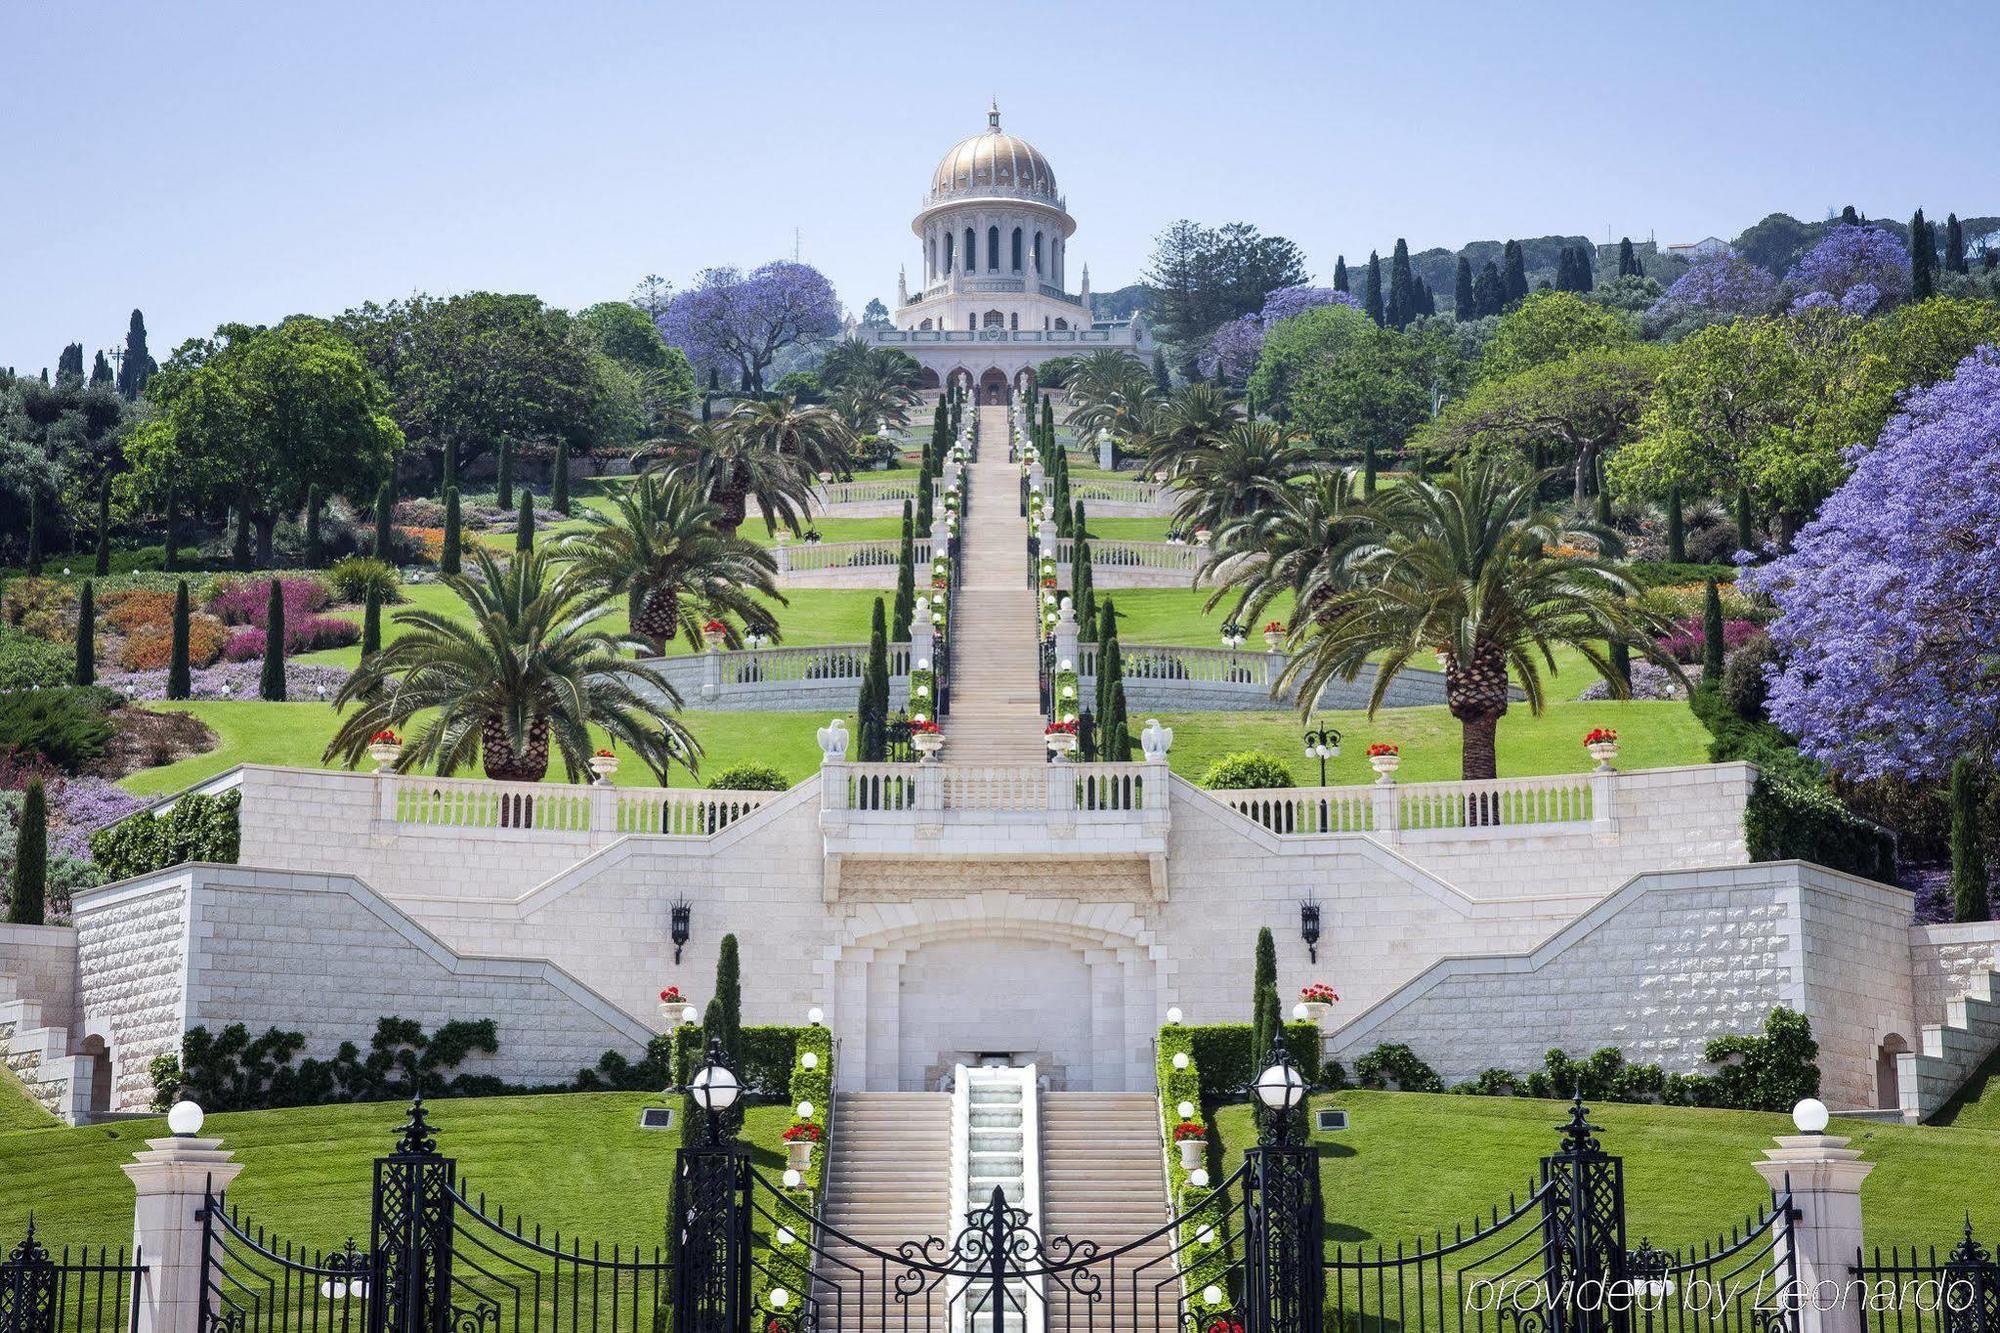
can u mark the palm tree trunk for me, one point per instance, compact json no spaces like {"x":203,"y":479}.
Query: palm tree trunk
{"x":1480,"y":759}
{"x":497,"y":757}
{"x":659,"y":616}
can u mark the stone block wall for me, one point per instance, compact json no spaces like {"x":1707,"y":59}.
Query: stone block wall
{"x":38,"y":964}
{"x":1945,"y":960}
{"x":1856,"y":980}
{"x":132,"y":958}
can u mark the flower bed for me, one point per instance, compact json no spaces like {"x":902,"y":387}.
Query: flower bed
{"x":228,"y":680}
{"x":1685,"y":642}
{"x":245,"y":601}
{"x":151,"y":647}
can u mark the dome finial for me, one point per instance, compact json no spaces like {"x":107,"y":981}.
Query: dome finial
{"x":993,"y":114}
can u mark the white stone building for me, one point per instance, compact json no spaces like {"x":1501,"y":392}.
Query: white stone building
{"x":993,"y":298}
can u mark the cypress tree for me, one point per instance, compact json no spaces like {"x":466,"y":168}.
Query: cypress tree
{"x":1426,"y":298}
{"x":1463,"y":304}
{"x":1677,"y":549}
{"x":137,"y":367}
{"x":1848,"y":217}
{"x":70,"y":364}
{"x":1077,"y":524}
{"x":28,"y":894}
{"x":505,"y":481}
{"x":312,"y":527}
{"x":906,"y":581}
{"x":1083,"y":588}
{"x":385,"y":517}
{"x":924,"y":503}
{"x":371,"y":623}
{"x":1923,"y":259}
{"x":34,"y":531}
{"x":1340,"y":273}
{"x":524,"y":527}
{"x":1489,"y":292}
{"x":100,"y":370}
{"x":1711,"y":634}
{"x":1402,"y":286}
{"x":448,"y":559}
{"x":1368,"y":466}
{"x":874,"y":702}
{"x":1746,"y":527}
{"x":86,"y":636}
{"x":179,"y":680}
{"x":1628,"y":262}
{"x":1514,"y":275}
{"x":1264,"y":999}
{"x":1161,"y":381}
{"x":1954,"y":244}
{"x":101,"y":566}
{"x":729,"y":997}
{"x":1371,"y":299}
{"x":559,"y":484}
{"x":271,"y":684}
{"x":1970,"y":900}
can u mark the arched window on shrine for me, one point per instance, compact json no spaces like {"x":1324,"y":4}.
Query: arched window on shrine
{"x":995,"y":320}
{"x":1014,"y":320}
{"x":992,"y":249}
{"x":1017,"y":249}
{"x":947,"y":251}
{"x":1062,"y":324}
{"x":971,"y":253}
{"x":924,"y":327}
{"x":1038,"y":252}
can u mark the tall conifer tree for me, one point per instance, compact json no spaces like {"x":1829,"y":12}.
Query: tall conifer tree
{"x":1514,"y":273}
{"x":1628,"y":261}
{"x":271,"y":683}
{"x":1954,"y":244}
{"x":1402,"y":286}
{"x":1371,"y":298}
{"x":86,"y":636}
{"x":28,"y":889}
{"x":1462,"y":301}
{"x":179,"y":679}
{"x":1923,"y":259}
{"x":385,"y":519}
{"x":1340,"y":273}
{"x":906,"y":581}
{"x":1971,"y":897}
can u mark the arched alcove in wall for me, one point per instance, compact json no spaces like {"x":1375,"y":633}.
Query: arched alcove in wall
{"x":1887,"y":1086}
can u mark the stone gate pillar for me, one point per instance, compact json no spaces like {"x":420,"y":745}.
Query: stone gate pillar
{"x":172,"y":1179}
{"x":1824,"y":1178}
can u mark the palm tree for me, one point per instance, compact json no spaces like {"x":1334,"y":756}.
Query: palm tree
{"x":1241,"y":472}
{"x":1471,"y":568}
{"x":1298,"y":545}
{"x":769,"y":449}
{"x":660,"y":546}
{"x":1112,"y":391}
{"x":1192,"y":419}
{"x":524,"y":666}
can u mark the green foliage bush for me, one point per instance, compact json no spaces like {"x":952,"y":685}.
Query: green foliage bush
{"x":749,"y":777}
{"x":30,"y":663}
{"x":350,"y":579}
{"x":1666,"y":573}
{"x":1743,"y":685}
{"x":236,"y":1072}
{"x":38,"y":607}
{"x":198,"y":828}
{"x":1395,"y":1066}
{"x":68,"y":727}
{"x":1246,"y":769}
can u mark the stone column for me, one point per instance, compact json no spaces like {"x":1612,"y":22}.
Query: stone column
{"x":1824,"y":1176}
{"x":173,"y":1178}
{"x":711,"y":669}
{"x":1046,"y":535}
{"x":1104,"y":459}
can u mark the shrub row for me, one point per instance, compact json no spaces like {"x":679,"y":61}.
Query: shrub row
{"x":198,"y":828}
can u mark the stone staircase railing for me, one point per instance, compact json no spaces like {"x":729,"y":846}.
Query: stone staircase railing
{"x":883,"y":490}
{"x":825,"y":557}
{"x":1116,"y":789}
{"x":536,"y":807}
{"x":1390,"y":811}
{"x":1950,"y":1051}
{"x":1109,"y":553}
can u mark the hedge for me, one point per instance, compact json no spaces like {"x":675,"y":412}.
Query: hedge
{"x":198,"y":828}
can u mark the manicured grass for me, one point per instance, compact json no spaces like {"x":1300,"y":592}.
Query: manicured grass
{"x":1977,"y":1105}
{"x":1175,"y":615}
{"x":577,"y":1162}
{"x":255,"y":732}
{"x":1125,"y":529}
{"x":832,"y":530}
{"x":1654,"y":734}
{"x":17,"y":1109}
{"x":1413,"y":1163}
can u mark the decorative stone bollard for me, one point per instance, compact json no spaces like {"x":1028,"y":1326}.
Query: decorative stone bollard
{"x":172,"y":1179}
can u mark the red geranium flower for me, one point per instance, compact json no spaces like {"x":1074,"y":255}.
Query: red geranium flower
{"x":1380,"y":748}
{"x":804,"y":1132}
{"x":1188,"y":1129}
{"x":1318,"y":993}
{"x":672,"y":995}
{"x":385,"y":737}
{"x":1601,"y":736}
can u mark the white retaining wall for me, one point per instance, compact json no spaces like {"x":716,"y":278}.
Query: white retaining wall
{"x":38,"y":964}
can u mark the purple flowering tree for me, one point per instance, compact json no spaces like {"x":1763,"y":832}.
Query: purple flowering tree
{"x":1890,"y":600}
{"x":1861,"y":268}
{"x":727,"y":320}
{"x":1722,"y":285}
{"x":1235,"y":345}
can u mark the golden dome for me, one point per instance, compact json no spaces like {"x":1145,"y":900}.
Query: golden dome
{"x":994,"y":162}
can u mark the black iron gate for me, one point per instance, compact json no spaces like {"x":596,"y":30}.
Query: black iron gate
{"x":87,"y":1290}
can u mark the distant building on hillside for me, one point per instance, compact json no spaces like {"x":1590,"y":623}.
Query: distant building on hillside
{"x":1701,"y":249}
{"x":1607,"y":257}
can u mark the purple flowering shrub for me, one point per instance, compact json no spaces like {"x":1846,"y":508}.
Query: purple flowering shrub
{"x":229,"y":680}
{"x":1859,"y":268}
{"x":246,"y":601}
{"x":1649,"y":681}
{"x":1722,"y":285}
{"x":1235,"y":346}
{"x":1684,"y":642}
{"x":735,"y":322}
{"x":1890,"y":600}
{"x":246,"y":642}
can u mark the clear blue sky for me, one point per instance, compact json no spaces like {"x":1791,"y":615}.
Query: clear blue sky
{"x":210,"y":161}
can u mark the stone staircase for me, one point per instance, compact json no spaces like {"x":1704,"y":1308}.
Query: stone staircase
{"x":999,"y":1124}
{"x":1950,"y":1051}
{"x":995,"y":702}
{"x":888,"y":1180}
{"x":38,"y":1054}
{"x":1104,"y":1180}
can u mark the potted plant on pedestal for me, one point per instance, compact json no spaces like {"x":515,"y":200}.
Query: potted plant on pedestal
{"x":604,"y":764}
{"x":675,"y":1007}
{"x":1385,"y":759}
{"x":712,"y":633}
{"x":1274,"y":634}
{"x":1060,"y":738}
{"x":1316,"y":999}
{"x":385,"y":748}
{"x":1191,"y":1137}
{"x":925,"y":737}
{"x":799,"y":1141}
{"x":1602,"y":742}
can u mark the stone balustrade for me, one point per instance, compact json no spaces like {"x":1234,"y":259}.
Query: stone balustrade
{"x":1112,"y":554}
{"x":870,"y":491}
{"x":870,"y":555}
{"x":811,"y":678}
{"x":544,"y":807}
{"x":999,"y":789}
{"x":1118,"y":492}
{"x":1395,"y":812}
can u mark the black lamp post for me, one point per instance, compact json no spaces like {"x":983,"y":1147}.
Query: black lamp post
{"x":1322,"y":743}
{"x":715,"y":1089}
{"x":683,"y":913}
{"x":1232,"y":634}
{"x":1280,"y":1090}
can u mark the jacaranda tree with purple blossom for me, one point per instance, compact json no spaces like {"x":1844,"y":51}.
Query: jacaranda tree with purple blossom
{"x":1862,"y":269}
{"x":727,"y":320}
{"x":1718,"y":286}
{"x":1890,"y":600}
{"x":1234,"y":346}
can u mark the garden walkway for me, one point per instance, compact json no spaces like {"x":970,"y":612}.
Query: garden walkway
{"x":996,"y":715}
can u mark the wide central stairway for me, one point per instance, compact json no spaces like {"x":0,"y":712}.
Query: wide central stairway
{"x":996,"y":713}
{"x":1087,"y":1166}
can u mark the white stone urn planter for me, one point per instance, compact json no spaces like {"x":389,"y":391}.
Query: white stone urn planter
{"x":1385,"y":766}
{"x":1273,"y":639}
{"x":1316,"y":1011}
{"x":1193,"y":1152}
{"x":799,"y":1155}
{"x":1061,"y":743}
{"x":604,"y":766}
{"x":1603,"y":752}
{"x":385,"y":755}
{"x":927,"y":743}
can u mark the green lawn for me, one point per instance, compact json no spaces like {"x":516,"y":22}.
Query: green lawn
{"x":254,"y":732}
{"x":1124,"y":529}
{"x":1414,"y":1163}
{"x":577,"y":1162}
{"x":1657,"y":734}
{"x":1174,"y":615}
